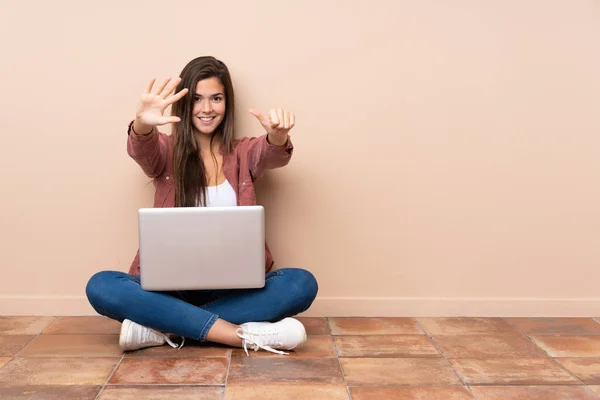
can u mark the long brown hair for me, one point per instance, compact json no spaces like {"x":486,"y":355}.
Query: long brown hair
{"x":189,"y":171}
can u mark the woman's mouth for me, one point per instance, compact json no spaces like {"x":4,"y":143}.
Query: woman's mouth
{"x":206,"y":120}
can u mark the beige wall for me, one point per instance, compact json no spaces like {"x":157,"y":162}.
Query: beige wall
{"x":446,"y":151}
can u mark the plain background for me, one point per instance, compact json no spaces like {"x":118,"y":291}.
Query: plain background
{"x":446,"y":156}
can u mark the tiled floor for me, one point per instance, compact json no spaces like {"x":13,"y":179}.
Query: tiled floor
{"x":358,"y":358}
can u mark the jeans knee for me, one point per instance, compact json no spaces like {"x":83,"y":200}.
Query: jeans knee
{"x":304,"y":286}
{"x":94,"y":288}
{"x":311,"y":286}
{"x":97,"y":288}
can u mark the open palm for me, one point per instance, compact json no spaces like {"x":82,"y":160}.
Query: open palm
{"x":153,"y":104}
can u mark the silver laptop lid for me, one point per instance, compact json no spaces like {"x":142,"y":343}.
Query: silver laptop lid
{"x":194,"y":248}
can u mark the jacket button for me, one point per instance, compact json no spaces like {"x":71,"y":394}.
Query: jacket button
{"x":244,"y":183}
{"x":167,"y":177}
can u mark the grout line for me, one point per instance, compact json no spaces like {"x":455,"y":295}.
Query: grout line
{"x":110,"y":376}
{"x":227,"y":374}
{"x":445,"y":358}
{"x":8,"y":362}
{"x":35,"y":337}
{"x":151,"y":385}
{"x":592,"y":391}
{"x":327,"y":325}
{"x":337,"y":356}
{"x":49,"y":323}
{"x":553,"y":359}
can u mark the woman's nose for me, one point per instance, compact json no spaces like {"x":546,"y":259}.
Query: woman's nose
{"x":206,"y":106}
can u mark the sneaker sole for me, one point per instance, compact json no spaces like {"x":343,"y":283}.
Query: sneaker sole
{"x":124,"y":334}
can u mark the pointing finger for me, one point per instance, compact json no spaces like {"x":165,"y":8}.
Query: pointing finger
{"x":256,"y":113}
{"x":261,"y":118}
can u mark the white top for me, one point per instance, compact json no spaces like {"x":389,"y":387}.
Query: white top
{"x":221,"y":195}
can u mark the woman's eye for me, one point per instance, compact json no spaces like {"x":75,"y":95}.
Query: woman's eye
{"x":217,"y":99}
{"x":196,"y":98}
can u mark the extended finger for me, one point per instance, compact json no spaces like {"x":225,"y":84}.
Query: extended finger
{"x":170,"y":88}
{"x":149,"y":88}
{"x":162,"y":86}
{"x":176,"y":97}
{"x":258,"y":115}
{"x":168,"y":120}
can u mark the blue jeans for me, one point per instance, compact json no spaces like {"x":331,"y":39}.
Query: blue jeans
{"x":191,"y":314}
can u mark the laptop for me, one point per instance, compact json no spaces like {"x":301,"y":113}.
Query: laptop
{"x":201,"y":248}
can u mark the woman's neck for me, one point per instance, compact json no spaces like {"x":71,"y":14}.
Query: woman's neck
{"x":204,"y":143}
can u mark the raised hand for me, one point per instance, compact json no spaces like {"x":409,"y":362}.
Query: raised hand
{"x":277,"y":124}
{"x":153,"y":104}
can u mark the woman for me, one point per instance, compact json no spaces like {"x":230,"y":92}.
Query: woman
{"x":201,"y":164}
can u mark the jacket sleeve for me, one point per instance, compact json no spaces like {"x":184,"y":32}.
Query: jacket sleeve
{"x":149,"y":151}
{"x":263,"y":155}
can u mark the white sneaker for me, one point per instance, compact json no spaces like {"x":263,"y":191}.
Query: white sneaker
{"x":135,"y":336}
{"x":287,"y":334}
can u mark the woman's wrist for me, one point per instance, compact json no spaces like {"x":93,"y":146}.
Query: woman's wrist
{"x":140,"y":129}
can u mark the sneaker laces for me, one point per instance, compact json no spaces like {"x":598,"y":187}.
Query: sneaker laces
{"x":160,"y":336}
{"x":174,"y":345}
{"x":258,"y":340}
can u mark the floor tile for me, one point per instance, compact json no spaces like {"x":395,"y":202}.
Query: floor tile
{"x":562,"y":326}
{"x":386,"y":346}
{"x":156,"y":392}
{"x":315,"y":325}
{"x":93,"y":325}
{"x":410,"y":393}
{"x":532,"y":371}
{"x":187,"y":351}
{"x":374,"y":326}
{"x":488,"y":346}
{"x":398,"y":371}
{"x":23,"y":325}
{"x":586,"y":369}
{"x":315,"y":347}
{"x":533,"y":393}
{"x":170,"y":371}
{"x":57,"y":371}
{"x":465,"y":326}
{"x":75,"y":392}
{"x":569,"y":346}
{"x":4,"y":361}
{"x":296,"y":392}
{"x":10,"y":345}
{"x":73,"y":346}
{"x":282,"y":369}
{"x":596,"y":388}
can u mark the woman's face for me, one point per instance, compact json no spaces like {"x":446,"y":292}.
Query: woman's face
{"x":209,"y":105}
